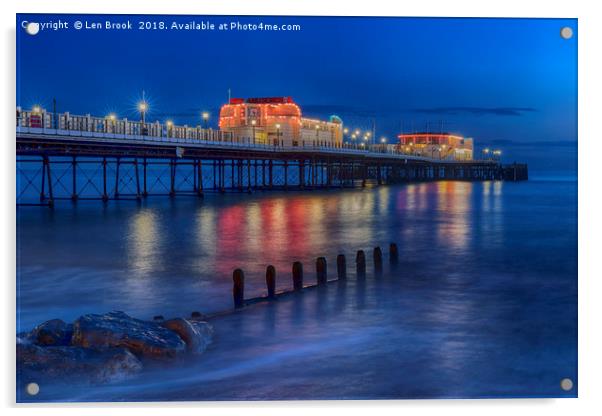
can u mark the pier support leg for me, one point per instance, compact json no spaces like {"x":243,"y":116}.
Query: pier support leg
{"x":42,"y":187}
{"x":138,"y":196}
{"x":249,"y":175}
{"x":172,"y":187}
{"x":118,"y":163}
{"x":49,"y":176}
{"x":105,"y":196}
{"x":144,"y":176}
{"x":74,"y":179}
{"x":271,"y":173}
{"x":200,"y":187}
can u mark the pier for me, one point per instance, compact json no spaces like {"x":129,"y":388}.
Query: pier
{"x":67,"y":157}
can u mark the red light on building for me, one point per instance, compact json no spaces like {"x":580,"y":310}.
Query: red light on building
{"x":441,"y":145}
{"x":270,"y":100}
{"x":278,"y":121}
{"x":429,"y":138}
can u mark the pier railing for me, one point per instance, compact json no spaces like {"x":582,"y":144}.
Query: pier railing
{"x":51,"y":123}
{"x":111,"y":128}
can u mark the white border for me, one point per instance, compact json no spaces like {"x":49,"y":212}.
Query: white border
{"x":590,"y":228}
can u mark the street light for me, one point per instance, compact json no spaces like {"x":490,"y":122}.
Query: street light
{"x":111,"y":117}
{"x":318,"y":134}
{"x":205,"y":117}
{"x":277,"y":134}
{"x":143,"y":108}
{"x":36,"y":109}
{"x":253,"y":123}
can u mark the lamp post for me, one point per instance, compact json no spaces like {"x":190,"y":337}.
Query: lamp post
{"x":485,"y":153}
{"x":205,"y":117}
{"x":253,"y":123}
{"x":277,"y":134}
{"x":318,"y":135}
{"x":169,"y":125}
{"x":112,"y":118}
{"x":143,"y":108}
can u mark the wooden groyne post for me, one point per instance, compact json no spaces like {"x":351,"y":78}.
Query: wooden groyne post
{"x":297,"y":275}
{"x":393,"y":254}
{"x":321,"y":271}
{"x":360,"y":262}
{"x":378,"y":259}
{"x":238,"y":290}
{"x":341,"y":267}
{"x":270,"y":281}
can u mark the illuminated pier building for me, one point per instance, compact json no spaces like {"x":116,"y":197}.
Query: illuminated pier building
{"x":436,"y":145}
{"x":277,"y":121}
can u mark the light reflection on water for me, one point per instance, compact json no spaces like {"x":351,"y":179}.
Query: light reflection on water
{"x":481,"y":264}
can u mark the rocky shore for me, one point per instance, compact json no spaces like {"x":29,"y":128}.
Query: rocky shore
{"x":106,"y":348}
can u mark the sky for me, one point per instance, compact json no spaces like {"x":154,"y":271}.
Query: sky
{"x":507,"y":83}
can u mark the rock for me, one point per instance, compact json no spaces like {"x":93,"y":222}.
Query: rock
{"x":54,"y":332}
{"x":117,"y":329}
{"x":196,"y":334}
{"x":66,"y":362}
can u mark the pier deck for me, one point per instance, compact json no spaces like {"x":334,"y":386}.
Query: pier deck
{"x":126,"y":166}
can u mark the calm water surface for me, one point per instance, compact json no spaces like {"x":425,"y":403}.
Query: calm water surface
{"x":483,"y":303}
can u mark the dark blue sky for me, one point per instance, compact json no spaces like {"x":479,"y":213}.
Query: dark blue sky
{"x":506,"y":82}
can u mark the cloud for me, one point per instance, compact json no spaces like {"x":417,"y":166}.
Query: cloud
{"x":477,"y":111}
